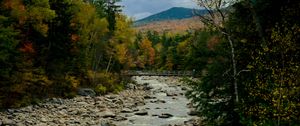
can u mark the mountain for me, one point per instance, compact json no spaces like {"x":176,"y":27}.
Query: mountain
{"x":172,"y":26}
{"x":174,"y":13}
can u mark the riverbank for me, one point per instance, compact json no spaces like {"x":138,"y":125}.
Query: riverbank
{"x":152,"y":101}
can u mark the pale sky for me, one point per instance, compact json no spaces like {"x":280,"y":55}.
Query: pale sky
{"x":142,"y":8}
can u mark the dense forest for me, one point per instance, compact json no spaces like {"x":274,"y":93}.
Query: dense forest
{"x":247,"y":55}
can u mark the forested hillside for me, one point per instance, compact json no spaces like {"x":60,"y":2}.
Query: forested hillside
{"x":174,"y":13}
{"x":49,"y":48}
{"x":247,"y":55}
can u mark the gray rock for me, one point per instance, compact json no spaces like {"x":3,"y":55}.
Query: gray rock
{"x":57,"y":101}
{"x":42,"y":124}
{"x":184,"y":88}
{"x":126,"y":110}
{"x":43,"y":119}
{"x":192,"y":112}
{"x":8,"y":122}
{"x":131,"y":86}
{"x":119,"y":118}
{"x":86,"y":92}
{"x":141,"y":113}
{"x":158,"y":101}
{"x":171,"y":94}
{"x":140,"y":103}
{"x":165,"y":115}
{"x":108,"y":114}
{"x":19,"y":124}
{"x":105,"y":123}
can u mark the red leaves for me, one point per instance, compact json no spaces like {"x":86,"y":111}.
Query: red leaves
{"x":27,"y":48}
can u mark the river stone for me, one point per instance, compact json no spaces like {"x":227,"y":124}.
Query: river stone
{"x":126,"y":110}
{"x":108,"y":114}
{"x":43,"y":119}
{"x":8,"y":122}
{"x":192,"y":112}
{"x":165,"y":115}
{"x":141,"y":113}
{"x":105,"y":123}
{"x":18,"y":124}
{"x":119,"y":118}
{"x":171,"y":94}
{"x":184,"y":88}
{"x":86,"y":92}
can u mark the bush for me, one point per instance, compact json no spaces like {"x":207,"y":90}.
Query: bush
{"x":104,"y":82}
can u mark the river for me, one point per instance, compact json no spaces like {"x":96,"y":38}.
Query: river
{"x":152,"y":101}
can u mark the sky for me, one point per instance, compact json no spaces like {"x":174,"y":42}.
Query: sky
{"x":139,"y":9}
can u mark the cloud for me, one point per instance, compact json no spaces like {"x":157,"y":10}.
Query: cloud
{"x":141,"y":8}
{"x":142,"y":15}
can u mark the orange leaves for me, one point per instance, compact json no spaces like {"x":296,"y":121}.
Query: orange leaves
{"x":75,"y":37}
{"x":27,"y":48}
{"x":212,"y":42}
{"x":17,"y":9}
{"x":147,"y":51}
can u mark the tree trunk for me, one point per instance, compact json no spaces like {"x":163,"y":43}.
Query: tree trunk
{"x":234,"y":68}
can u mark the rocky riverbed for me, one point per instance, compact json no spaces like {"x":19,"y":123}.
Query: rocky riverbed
{"x":153,"y":101}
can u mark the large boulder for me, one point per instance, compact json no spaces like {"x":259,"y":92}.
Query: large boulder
{"x":86,"y":92}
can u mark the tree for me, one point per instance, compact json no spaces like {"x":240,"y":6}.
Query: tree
{"x":257,"y":32}
{"x":266,"y":34}
{"x":110,"y":10}
{"x":146,"y":56}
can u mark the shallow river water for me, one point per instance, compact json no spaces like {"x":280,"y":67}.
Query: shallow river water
{"x":166,"y":105}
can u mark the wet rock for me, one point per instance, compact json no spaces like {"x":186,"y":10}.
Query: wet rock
{"x":158,"y":101}
{"x":56,"y":101}
{"x":43,"y":119}
{"x":126,"y":110}
{"x":108,"y":114}
{"x":86,"y":92}
{"x":184,"y":88}
{"x":105,"y":124}
{"x":18,"y":124}
{"x":141,"y":113}
{"x":192,"y":122}
{"x":170,"y":94}
{"x":119,"y":118}
{"x":149,"y":97}
{"x":165,"y":115}
{"x":8,"y":122}
{"x":139,"y":103}
{"x":131,"y":86}
{"x":192,"y":112}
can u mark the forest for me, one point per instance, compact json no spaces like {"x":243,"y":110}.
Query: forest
{"x":247,"y":55}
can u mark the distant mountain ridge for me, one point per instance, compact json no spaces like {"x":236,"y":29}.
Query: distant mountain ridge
{"x":175,"y":13}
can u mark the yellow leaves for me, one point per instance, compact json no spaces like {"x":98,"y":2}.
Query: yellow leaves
{"x":124,"y":32}
{"x":148,"y":51}
{"x":182,"y":47}
{"x":122,"y":53}
{"x":42,"y":28}
{"x":250,"y":66}
{"x":85,"y":20}
{"x":73,"y":80}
